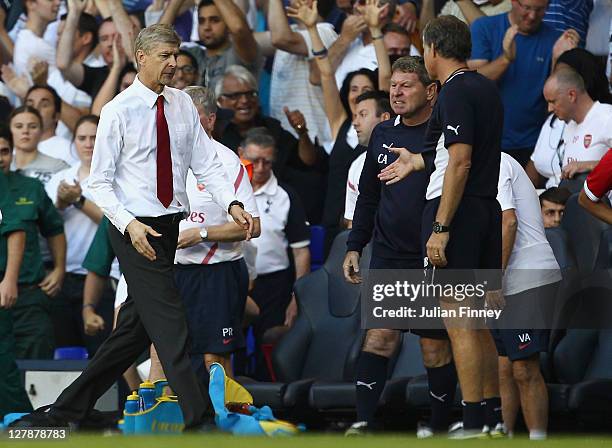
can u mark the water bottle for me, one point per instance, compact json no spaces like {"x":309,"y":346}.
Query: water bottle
{"x":132,"y":404}
{"x":147,"y":395}
{"x":159,"y":387}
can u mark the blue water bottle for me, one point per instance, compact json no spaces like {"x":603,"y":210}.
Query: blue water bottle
{"x":147,"y":395}
{"x":132,"y":404}
{"x":159,"y":387}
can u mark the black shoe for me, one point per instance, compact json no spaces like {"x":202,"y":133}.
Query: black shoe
{"x":42,"y":418}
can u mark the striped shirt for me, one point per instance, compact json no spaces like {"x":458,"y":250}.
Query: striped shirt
{"x":565,"y":14}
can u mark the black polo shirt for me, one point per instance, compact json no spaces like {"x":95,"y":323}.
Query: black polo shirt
{"x":468,"y":110}
{"x":390,"y":214}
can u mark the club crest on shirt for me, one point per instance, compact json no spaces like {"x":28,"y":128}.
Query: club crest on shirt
{"x":587,"y":140}
{"x":201,"y":187}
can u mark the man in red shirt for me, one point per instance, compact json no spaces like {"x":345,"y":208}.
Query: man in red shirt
{"x":596,"y":186}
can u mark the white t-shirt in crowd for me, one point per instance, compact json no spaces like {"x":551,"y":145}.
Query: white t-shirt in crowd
{"x":290,"y":87}
{"x":59,"y":148}
{"x":590,"y":140}
{"x":50,"y":34}
{"x":205,"y":212}
{"x":360,"y":56}
{"x":352,"y":186}
{"x":598,"y":37}
{"x":67,"y":91}
{"x":532,"y":262}
{"x":27,"y":46}
{"x":451,"y":8}
{"x":546,"y":155}
{"x":78,"y":227}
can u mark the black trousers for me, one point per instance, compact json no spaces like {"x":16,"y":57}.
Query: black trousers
{"x":154,"y":313}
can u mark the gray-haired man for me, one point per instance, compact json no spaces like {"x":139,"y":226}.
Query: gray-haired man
{"x":148,"y":138}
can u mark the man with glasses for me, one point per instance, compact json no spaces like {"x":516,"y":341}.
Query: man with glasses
{"x":518,"y":51}
{"x":186,"y":73}
{"x":299,"y":162}
{"x":283,"y":226}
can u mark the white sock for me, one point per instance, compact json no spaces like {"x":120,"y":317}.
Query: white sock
{"x":510,"y":434}
{"x":537,"y":434}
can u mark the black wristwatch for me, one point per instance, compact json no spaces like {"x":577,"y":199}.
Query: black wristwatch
{"x":439,"y":228}
{"x":79,"y":202}
{"x":238,"y":203}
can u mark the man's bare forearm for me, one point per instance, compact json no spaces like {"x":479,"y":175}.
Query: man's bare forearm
{"x":124,"y":26}
{"x":171,"y":12}
{"x":509,"y":227}
{"x":494,"y":69}
{"x":71,"y":70}
{"x":94,"y":288}
{"x":338,"y":50}
{"x":306,"y":150}
{"x":470,"y":11}
{"x":57,"y":247}
{"x":231,"y":232}
{"x":302,"y":261}
{"x":15,"y":250}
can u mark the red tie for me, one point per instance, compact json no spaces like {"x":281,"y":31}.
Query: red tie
{"x":164,"y":157}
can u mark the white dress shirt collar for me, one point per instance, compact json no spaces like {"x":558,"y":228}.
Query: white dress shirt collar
{"x":148,"y":95}
{"x":269,"y":188}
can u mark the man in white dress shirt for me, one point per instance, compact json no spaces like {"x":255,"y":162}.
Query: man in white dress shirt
{"x":209,"y":270}
{"x":148,"y":137}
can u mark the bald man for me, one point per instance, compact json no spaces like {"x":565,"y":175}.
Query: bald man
{"x":588,"y":133}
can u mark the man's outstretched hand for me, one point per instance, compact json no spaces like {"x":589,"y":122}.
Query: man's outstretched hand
{"x":406,"y":163}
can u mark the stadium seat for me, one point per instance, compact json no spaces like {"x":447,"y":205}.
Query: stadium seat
{"x":584,"y":231}
{"x":592,"y":395}
{"x":568,"y":292}
{"x":604,"y":253}
{"x":319,"y":344}
{"x":317,"y":247}
{"x":570,"y":360}
{"x":337,"y":397}
{"x":72,"y":353}
{"x":559,"y":242}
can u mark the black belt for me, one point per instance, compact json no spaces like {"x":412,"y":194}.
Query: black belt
{"x":173,"y":218}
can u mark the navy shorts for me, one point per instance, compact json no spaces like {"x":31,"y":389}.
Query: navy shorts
{"x":523,"y":343}
{"x":214,"y":296}
{"x":475,"y":233}
{"x":520,"y":344}
{"x":408,"y":263}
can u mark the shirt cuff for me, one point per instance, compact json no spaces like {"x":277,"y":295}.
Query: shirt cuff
{"x":589,"y":193}
{"x":354,"y":246}
{"x":10,"y":227}
{"x":122,"y":219}
{"x":300,"y":244}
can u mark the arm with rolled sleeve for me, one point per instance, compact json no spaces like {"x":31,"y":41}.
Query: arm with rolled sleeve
{"x":207,"y":167}
{"x":597,"y":184}
{"x":109,"y":142}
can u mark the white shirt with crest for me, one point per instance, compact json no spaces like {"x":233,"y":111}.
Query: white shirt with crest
{"x":206,"y":213}
{"x":590,"y":140}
